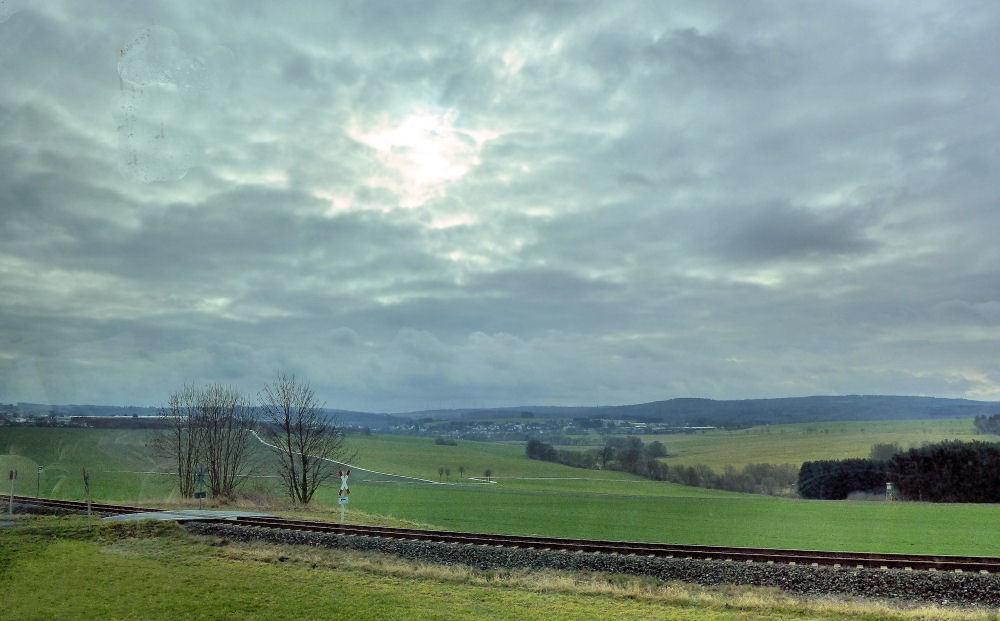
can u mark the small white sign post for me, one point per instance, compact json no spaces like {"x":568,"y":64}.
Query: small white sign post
{"x":344,"y":495}
{"x":38,"y":481}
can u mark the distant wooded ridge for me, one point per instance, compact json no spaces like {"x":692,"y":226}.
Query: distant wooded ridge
{"x":680,"y":412}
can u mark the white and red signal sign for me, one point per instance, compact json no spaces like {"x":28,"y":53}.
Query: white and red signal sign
{"x":345,"y":492}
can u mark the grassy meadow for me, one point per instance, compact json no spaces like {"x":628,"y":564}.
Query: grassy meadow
{"x":534,"y":497}
{"x":120,"y":464}
{"x":794,"y":444}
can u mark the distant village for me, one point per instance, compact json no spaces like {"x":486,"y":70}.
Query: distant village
{"x":565,"y":430}
{"x":559,"y":430}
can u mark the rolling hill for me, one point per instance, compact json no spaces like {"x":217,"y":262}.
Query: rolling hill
{"x":680,"y":412}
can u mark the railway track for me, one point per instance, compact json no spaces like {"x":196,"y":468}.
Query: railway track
{"x":70,"y":505}
{"x":760,"y":555}
{"x":974,"y":564}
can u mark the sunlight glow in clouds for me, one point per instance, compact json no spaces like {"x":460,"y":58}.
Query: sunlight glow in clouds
{"x":651,"y":199}
{"x":423,"y":152}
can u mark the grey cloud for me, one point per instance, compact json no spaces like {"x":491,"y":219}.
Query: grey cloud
{"x":720,"y":60}
{"x":345,"y":337}
{"x":777,"y":232}
{"x":299,"y":71}
{"x":981,"y":313}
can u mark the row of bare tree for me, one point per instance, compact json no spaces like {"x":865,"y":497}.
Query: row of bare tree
{"x":214,"y":427}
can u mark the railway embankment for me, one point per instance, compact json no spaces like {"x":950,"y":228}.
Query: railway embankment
{"x":959,"y":588}
{"x":493,"y":552}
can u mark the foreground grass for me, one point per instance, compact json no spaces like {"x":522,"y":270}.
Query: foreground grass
{"x":58,"y":568}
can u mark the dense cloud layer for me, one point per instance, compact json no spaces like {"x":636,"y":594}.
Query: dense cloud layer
{"x":423,"y":205}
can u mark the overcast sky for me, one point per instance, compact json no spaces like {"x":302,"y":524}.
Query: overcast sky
{"x":426,"y":204}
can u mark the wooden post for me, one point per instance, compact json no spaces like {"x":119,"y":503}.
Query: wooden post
{"x":13,"y":477}
{"x":86,"y":488}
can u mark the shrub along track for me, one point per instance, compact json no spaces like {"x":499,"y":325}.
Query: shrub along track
{"x":937,"y":578}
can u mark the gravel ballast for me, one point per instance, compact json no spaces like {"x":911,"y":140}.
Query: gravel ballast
{"x":928,"y":586}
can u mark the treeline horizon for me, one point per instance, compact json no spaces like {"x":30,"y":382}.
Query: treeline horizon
{"x":630,"y":454}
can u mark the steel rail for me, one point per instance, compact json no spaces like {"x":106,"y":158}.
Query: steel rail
{"x":661,"y":550}
{"x":72,"y":505}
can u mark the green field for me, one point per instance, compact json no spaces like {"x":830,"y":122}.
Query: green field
{"x":118,"y":460}
{"x":794,"y":444}
{"x":535,"y":497}
{"x":736,"y":521}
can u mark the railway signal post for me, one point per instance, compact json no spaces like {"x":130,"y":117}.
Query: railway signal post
{"x":344,"y":495}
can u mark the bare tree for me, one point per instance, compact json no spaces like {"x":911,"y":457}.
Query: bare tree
{"x":227,"y":421}
{"x":208,"y":427}
{"x":179,"y":437}
{"x":309,"y":444}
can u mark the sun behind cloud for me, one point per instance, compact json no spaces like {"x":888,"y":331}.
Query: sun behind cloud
{"x":422,"y":152}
